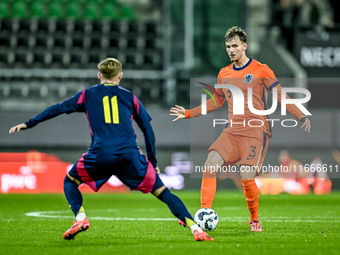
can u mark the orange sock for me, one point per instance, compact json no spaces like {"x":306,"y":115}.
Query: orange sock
{"x":208,"y":191}
{"x":251,"y":193}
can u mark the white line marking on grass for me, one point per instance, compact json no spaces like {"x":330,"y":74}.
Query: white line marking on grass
{"x":56,"y":214}
{"x":43,"y":214}
{"x":139,"y":219}
{"x":280,"y":219}
{"x":311,"y":219}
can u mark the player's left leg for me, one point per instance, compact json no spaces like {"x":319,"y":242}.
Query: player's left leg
{"x":74,"y":197}
{"x":89,"y":170}
{"x":75,"y":201}
{"x":253,"y":151}
{"x":83,"y":171}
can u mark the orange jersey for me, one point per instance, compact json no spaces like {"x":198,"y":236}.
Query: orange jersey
{"x":261,"y":79}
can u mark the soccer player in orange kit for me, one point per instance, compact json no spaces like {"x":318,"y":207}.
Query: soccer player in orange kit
{"x":245,"y":144}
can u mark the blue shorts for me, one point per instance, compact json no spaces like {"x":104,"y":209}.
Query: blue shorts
{"x":133,"y":169}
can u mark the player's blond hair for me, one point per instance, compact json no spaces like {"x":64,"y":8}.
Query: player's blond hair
{"x":109,"y":67}
{"x":236,"y":32}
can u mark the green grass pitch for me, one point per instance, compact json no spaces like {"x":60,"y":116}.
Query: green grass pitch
{"x":124,"y":224}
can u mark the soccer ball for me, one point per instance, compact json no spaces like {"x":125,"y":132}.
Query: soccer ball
{"x":206,"y":218}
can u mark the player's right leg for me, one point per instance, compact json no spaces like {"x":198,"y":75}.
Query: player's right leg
{"x":179,"y":210}
{"x":139,"y":174}
{"x":224,"y":151}
{"x":208,"y":186}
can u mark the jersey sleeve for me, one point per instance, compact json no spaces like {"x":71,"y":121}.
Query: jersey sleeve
{"x":73,"y":104}
{"x":270,"y":81}
{"x":143,"y":120}
{"x":292,"y":108}
{"x":268,"y":77}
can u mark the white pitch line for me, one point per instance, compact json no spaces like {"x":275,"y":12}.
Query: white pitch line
{"x":56,"y":215}
{"x":135,"y":219}
{"x":42,"y":215}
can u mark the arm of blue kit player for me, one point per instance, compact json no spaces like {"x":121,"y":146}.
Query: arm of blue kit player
{"x":143,"y":120}
{"x":75,"y":103}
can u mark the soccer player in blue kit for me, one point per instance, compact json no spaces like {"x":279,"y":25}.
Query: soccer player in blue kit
{"x":110,"y":110}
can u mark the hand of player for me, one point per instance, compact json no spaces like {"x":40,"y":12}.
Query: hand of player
{"x":178,"y":111}
{"x":157,"y":170}
{"x":17,"y":128}
{"x":306,"y":123}
{"x":336,"y":155}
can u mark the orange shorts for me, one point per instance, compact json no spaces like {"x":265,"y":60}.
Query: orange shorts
{"x":246,"y":147}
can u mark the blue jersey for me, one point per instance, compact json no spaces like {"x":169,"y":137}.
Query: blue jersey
{"x":110,"y":110}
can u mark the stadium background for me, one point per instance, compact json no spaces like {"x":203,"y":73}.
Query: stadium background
{"x":49,"y":50}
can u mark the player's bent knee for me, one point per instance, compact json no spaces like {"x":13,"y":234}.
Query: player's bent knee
{"x":69,"y":178}
{"x":247,"y":172}
{"x":209,"y":173}
{"x":213,"y":161}
{"x":158,"y":191}
{"x":247,"y":177}
{"x":214,"y":158}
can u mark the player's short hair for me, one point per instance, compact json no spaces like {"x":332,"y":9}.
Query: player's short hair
{"x":110,"y":67}
{"x":236,"y":32}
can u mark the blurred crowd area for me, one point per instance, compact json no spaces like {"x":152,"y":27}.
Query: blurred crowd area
{"x":49,"y":49}
{"x":289,"y":15}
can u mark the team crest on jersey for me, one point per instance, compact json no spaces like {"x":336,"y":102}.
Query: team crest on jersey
{"x":248,"y":78}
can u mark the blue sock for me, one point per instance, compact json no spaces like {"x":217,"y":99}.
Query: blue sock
{"x":73,"y":195}
{"x":175,"y":205}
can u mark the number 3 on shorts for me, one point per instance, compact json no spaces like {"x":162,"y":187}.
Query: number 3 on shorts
{"x":253,"y":152}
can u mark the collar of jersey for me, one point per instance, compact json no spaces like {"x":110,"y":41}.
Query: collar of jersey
{"x":110,"y":84}
{"x":240,"y":68}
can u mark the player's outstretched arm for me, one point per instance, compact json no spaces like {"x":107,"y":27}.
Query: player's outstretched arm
{"x":336,"y":155}
{"x":178,"y":112}
{"x":17,"y":128}
{"x":306,"y":123}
